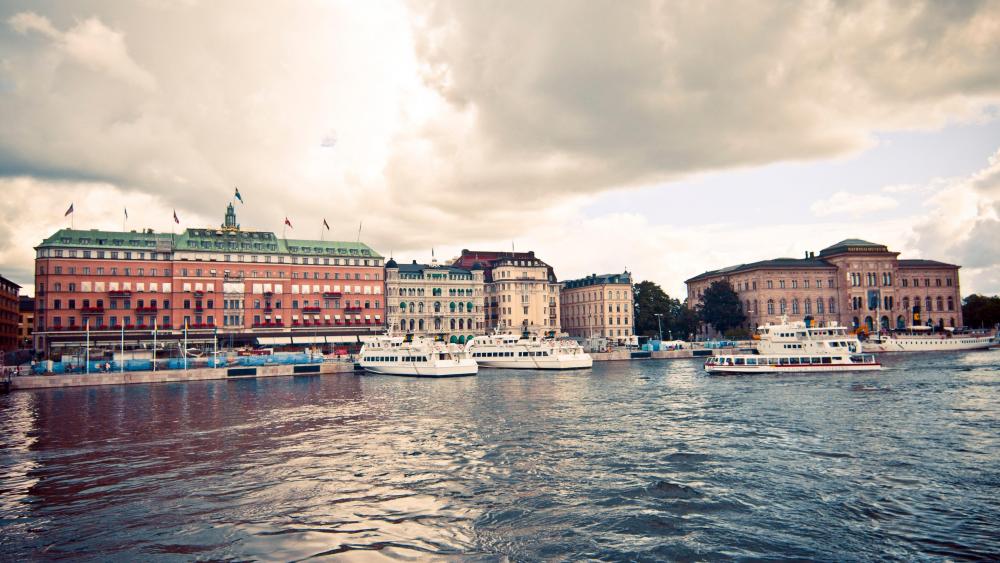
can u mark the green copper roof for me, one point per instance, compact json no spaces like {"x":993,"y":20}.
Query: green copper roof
{"x":206,"y":240}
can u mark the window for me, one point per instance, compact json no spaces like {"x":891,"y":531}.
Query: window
{"x":819,"y":305}
{"x":781,"y":284}
{"x":770,"y":284}
{"x":833,"y":306}
{"x":783,"y":307}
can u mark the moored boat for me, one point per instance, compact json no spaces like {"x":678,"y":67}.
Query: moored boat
{"x":924,"y":339}
{"x":415,"y":356}
{"x":528,"y":351}
{"x":796,"y":347}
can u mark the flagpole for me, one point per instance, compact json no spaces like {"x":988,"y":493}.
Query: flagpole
{"x":185,"y":351}
{"x":87,"y":360}
{"x":154,"y":343}
{"x":123,"y":349}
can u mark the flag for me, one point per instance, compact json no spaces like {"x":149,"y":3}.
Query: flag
{"x":176,"y":220}
{"x":126,"y":212}
{"x":238,"y":196}
{"x":69,"y":211}
{"x":325,"y":224}
{"x":289,"y":223}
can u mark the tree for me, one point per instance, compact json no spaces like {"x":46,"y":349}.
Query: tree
{"x":721,"y":307}
{"x":677,"y":321}
{"x":980,"y":311}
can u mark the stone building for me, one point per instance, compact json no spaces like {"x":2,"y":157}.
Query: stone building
{"x":598,"y":306}
{"x":230,"y":283}
{"x":854,"y":282}
{"x":8,"y":314}
{"x":444,"y":302}
{"x":521,"y":291}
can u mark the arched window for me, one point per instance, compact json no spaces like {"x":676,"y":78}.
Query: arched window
{"x":819,"y":305}
{"x":402,"y":291}
{"x":411,"y":325}
{"x":808,"y":306}
{"x":402,"y":325}
{"x":870,"y":323}
{"x":927,"y":304}
{"x":952,"y":322}
{"x":833,"y":307}
{"x":452,"y":306}
{"x":884,"y":322}
{"x":940,"y":305}
{"x":770,"y":306}
{"x":747,"y":310}
{"x":437,"y":306}
{"x":461,"y":324}
{"x":437,"y":324}
{"x":453,"y":324}
{"x":420,"y":324}
{"x":906,"y":303}
{"x":900,"y":322}
{"x":795,"y":306}
{"x":402,"y":306}
{"x":951,"y":307}
{"x":420,"y":307}
{"x":854,"y":322}
{"x":782,"y":306}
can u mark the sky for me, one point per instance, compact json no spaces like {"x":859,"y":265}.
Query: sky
{"x":666,"y":138}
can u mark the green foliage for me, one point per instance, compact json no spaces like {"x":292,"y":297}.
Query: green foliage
{"x":980,"y":311}
{"x":737,"y":334}
{"x":678,"y":321}
{"x":720,"y":307}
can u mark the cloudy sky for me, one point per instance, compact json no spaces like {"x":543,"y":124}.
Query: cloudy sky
{"x":664,"y":137}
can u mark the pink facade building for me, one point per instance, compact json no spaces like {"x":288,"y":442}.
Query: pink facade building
{"x":854,"y":282}
{"x":239,"y":286}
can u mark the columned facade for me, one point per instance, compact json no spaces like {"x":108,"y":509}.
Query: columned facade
{"x":854,"y":282}
{"x":442,"y":302}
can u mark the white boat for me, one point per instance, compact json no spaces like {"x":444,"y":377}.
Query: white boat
{"x":924,"y":339}
{"x":527,"y":351}
{"x":415,"y":356}
{"x":795,"y":347}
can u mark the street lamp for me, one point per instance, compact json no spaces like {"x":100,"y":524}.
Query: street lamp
{"x":659,"y":326}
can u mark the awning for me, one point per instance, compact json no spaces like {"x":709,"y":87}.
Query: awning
{"x":309,"y":339}
{"x":273,"y":340}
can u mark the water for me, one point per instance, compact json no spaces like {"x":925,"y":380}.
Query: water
{"x":641,"y":460}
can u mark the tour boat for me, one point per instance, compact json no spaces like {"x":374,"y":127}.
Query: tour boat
{"x":415,"y":356}
{"x":796,"y":347}
{"x":527,"y":351}
{"x":923,"y":339}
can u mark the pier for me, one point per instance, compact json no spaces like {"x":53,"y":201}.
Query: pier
{"x":171,"y":376}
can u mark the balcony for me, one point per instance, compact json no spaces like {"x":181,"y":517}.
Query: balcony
{"x":353,"y":309}
{"x":147,"y":310}
{"x":268,"y":294}
{"x":91,"y":310}
{"x":199,"y":293}
{"x":310,"y":310}
{"x":269,"y":324}
{"x":332,"y":295}
{"x":268,"y":310}
{"x":119,"y":294}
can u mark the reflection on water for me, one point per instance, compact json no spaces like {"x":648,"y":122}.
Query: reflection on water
{"x":642,"y":460}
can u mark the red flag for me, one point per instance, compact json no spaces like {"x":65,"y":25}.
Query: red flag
{"x":289,"y":223}
{"x":68,"y":211}
{"x":325,"y":224}
{"x":176,"y":220}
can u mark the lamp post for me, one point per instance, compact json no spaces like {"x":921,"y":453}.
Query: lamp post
{"x":659,"y":325}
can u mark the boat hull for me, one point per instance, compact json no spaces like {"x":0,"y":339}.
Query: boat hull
{"x":453,"y":369}
{"x":538,"y":362}
{"x":928,"y":344}
{"x":771,"y":369}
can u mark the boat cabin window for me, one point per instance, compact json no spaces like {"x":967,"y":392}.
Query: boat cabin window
{"x":826,"y":360}
{"x":739,"y":361}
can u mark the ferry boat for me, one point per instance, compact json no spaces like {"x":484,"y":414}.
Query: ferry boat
{"x":415,"y":356}
{"x":923,"y":339}
{"x":796,"y":347}
{"x":527,"y":351}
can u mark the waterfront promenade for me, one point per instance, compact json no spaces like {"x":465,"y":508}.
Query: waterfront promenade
{"x":24,"y":382}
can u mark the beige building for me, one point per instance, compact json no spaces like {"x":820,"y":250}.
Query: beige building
{"x":521,"y":291}
{"x":598,"y":306}
{"x":26,"y":321}
{"x":854,"y":282}
{"x":433,"y":300}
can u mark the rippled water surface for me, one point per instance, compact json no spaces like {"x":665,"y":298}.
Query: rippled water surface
{"x":641,"y":460}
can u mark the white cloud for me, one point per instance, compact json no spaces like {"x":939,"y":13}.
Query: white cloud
{"x":852,"y":204}
{"x":469,"y":124}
